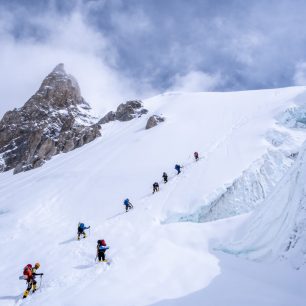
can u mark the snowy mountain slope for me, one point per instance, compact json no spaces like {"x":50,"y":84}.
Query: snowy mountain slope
{"x":152,"y":261}
{"x":243,"y":282}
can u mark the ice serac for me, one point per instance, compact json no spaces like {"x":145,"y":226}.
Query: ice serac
{"x":55,"y":119}
{"x":278,"y":228}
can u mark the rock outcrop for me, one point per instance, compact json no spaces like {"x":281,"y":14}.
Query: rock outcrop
{"x":55,"y":119}
{"x":125,"y":112}
{"x":154,"y":121}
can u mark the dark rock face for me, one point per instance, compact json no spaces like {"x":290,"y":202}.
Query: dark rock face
{"x":55,"y":119}
{"x":125,"y":112}
{"x":154,"y":121}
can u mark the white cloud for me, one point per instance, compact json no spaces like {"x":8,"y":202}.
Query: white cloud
{"x":194,"y":81}
{"x":136,"y":22}
{"x":300,"y":74}
{"x":86,"y":54}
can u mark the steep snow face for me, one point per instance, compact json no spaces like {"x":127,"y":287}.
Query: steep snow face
{"x":246,"y":192}
{"x":254,"y":184}
{"x":151,"y":261}
{"x":278,"y":229}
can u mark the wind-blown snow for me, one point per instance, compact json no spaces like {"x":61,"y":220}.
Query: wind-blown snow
{"x":151,"y":260}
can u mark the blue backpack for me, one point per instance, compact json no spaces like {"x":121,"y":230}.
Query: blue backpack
{"x":126,"y":202}
{"x":81,"y":225}
{"x":177,"y":167}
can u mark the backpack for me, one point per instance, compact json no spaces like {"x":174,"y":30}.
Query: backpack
{"x":126,"y":202}
{"x":27,"y":271}
{"x":101,"y":242}
{"x":81,"y":225}
{"x":177,"y":167}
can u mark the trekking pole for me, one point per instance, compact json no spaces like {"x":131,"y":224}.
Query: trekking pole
{"x":40,"y":283}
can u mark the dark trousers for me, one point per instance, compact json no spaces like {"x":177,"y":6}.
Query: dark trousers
{"x":165,"y":179}
{"x":101,"y":255}
{"x":81,"y":232}
{"x":129,"y":206}
{"x":30,"y":283}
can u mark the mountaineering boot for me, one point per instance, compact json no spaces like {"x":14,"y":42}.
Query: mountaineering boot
{"x":26,"y":293}
{"x":105,"y":260}
{"x":34,"y":288}
{"x":84,"y":235}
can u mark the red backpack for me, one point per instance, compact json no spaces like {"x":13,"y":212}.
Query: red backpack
{"x":27,"y":271}
{"x":102,"y":242}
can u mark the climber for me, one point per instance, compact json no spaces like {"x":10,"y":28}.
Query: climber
{"x":128,"y":205}
{"x":155,"y":187}
{"x":178,"y":168}
{"x":165,"y":177}
{"x":29,"y":274}
{"x":196,"y":156}
{"x":81,"y":230}
{"x":101,"y":248}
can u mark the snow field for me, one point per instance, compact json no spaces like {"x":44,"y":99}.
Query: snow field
{"x":151,"y":260}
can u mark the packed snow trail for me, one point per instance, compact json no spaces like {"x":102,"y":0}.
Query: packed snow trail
{"x":41,"y":208}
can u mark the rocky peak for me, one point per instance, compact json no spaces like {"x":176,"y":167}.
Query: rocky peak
{"x":55,"y":119}
{"x":60,"y":69}
{"x":125,"y":112}
{"x":58,"y":90}
{"x":154,"y":121}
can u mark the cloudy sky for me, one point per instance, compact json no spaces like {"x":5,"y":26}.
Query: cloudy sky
{"x":123,"y":49}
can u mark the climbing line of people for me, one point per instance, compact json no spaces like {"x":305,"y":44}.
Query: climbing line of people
{"x":30,"y":272}
{"x":101,"y":244}
{"x":178,"y":168}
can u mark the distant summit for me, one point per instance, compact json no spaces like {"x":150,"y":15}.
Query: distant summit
{"x":59,"y":69}
{"x":55,"y":119}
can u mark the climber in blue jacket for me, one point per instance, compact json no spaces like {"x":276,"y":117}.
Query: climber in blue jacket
{"x":178,"y":168}
{"x":81,"y":230}
{"x":128,"y":204}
